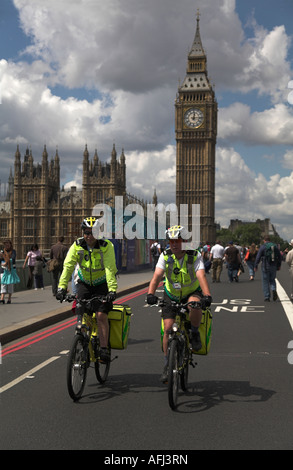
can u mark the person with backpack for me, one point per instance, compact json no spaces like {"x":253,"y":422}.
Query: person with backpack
{"x":271,"y":259}
{"x":155,"y":251}
{"x":289,"y":261}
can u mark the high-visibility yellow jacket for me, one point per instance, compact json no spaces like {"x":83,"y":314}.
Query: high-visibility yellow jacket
{"x":180,"y":280}
{"x":95,"y":265}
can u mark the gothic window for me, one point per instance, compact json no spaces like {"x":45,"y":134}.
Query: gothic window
{"x":3,"y":229}
{"x":99,"y":196}
{"x":29,"y":227}
{"x":53,"y":228}
{"x":30,"y":197}
{"x":64,"y":227}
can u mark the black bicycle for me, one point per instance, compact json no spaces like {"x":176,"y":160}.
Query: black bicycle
{"x":179,"y":349}
{"x":85,"y":348}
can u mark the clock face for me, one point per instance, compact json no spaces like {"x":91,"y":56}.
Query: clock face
{"x":193,"y":117}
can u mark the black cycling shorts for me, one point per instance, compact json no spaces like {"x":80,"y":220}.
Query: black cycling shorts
{"x":168,"y":311}
{"x":85,"y":291}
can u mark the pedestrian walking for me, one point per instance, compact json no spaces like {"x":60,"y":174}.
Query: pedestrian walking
{"x":30,"y":259}
{"x":216,"y":257}
{"x":289,"y":261}
{"x":270,"y":256}
{"x":9,"y":276}
{"x":233,"y":259}
{"x":58,"y":254}
{"x":155,"y":251}
{"x":250,"y":258}
{"x":38,"y":273}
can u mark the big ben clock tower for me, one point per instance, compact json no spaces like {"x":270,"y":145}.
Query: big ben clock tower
{"x":196,"y":131}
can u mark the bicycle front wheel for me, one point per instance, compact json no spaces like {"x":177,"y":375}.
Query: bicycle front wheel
{"x":77,"y":367}
{"x":173,"y":374}
{"x":102,"y":368}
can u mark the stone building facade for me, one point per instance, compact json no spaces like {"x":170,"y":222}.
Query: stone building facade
{"x":36,"y":210}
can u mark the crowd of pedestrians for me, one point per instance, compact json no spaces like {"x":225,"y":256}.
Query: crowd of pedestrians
{"x":237,"y":258}
{"x":35,"y":263}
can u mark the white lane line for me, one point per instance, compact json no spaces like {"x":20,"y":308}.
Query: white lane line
{"x":28,"y":374}
{"x":286,"y":302}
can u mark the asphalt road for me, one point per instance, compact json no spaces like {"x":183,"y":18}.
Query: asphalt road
{"x":240,"y":395}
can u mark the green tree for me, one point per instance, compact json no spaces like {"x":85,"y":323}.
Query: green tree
{"x":246,"y":234}
{"x":224,"y":235}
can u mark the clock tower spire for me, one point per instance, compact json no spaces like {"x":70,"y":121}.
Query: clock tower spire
{"x":196,"y":131}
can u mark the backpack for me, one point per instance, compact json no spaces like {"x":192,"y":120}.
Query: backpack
{"x":270,"y":254}
{"x":53,"y":264}
{"x":154,"y":250}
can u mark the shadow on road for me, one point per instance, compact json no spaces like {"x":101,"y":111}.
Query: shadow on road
{"x":201,"y":396}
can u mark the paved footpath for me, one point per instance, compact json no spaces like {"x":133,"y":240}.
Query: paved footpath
{"x":31,"y":310}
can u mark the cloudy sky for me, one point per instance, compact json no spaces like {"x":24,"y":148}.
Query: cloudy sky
{"x":96,"y":72}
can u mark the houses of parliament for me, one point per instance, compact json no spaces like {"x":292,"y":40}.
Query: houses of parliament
{"x":36,"y":210}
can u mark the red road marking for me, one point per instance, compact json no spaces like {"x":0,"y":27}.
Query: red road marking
{"x":56,"y":329}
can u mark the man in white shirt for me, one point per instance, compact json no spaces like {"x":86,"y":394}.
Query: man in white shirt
{"x":216,"y":256}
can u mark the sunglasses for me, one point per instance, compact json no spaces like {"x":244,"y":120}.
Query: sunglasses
{"x":87,"y":232}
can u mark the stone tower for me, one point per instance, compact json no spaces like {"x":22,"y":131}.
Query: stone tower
{"x":196,"y":131}
{"x":35,"y":186}
{"x":101,"y":182}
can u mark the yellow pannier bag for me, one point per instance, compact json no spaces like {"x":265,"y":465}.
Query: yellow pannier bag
{"x":119,"y":319}
{"x":205,"y":331}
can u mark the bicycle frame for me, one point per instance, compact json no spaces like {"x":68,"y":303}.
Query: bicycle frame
{"x":85,"y":349}
{"x":89,"y":329}
{"x":179,"y":350}
{"x":179,"y":327}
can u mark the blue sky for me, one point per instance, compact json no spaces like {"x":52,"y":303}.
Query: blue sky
{"x":91,"y":72}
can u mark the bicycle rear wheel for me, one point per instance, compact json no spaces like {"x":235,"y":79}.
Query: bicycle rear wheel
{"x":184,"y":365}
{"x":102,"y":368}
{"x":173,"y":374}
{"x":77,"y":367}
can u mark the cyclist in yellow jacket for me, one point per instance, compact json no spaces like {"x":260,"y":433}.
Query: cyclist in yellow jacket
{"x":96,"y":273}
{"x":185,"y":281}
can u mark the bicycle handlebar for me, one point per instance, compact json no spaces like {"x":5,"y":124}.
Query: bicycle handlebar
{"x":72,"y":297}
{"x":193,"y":304}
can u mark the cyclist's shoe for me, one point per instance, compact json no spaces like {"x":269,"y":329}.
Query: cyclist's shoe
{"x":196,"y":341}
{"x":164,"y":376}
{"x":275,"y":295}
{"x":104,"y":355}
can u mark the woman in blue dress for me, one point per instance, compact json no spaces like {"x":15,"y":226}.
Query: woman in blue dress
{"x":9,"y":275}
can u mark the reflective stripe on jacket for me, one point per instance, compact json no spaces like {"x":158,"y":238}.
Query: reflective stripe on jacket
{"x":95,"y":265}
{"x":180,"y":280}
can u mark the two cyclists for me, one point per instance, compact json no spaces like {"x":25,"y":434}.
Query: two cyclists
{"x":95,"y":264}
{"x":185,"y":281}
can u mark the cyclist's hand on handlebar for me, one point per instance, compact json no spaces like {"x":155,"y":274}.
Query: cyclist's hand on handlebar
{"x":152,"y":299}
{"x":111,"y":296}
{"x":206,"y":301}
{"x":61,"y":293}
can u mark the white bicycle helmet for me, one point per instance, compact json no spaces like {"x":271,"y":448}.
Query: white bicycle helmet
{"x":177,"y":232}
{"x":90,"y":222}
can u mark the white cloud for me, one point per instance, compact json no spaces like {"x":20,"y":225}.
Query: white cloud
{"x":288,"y":160}
{"x":273,"y":126}
{"x":240,"y":193}
{"x":131,"y":54}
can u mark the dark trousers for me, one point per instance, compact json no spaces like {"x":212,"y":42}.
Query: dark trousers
{"x":56,"y":276}
{"x":29,"y":283}
{"x":39,"y":283}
